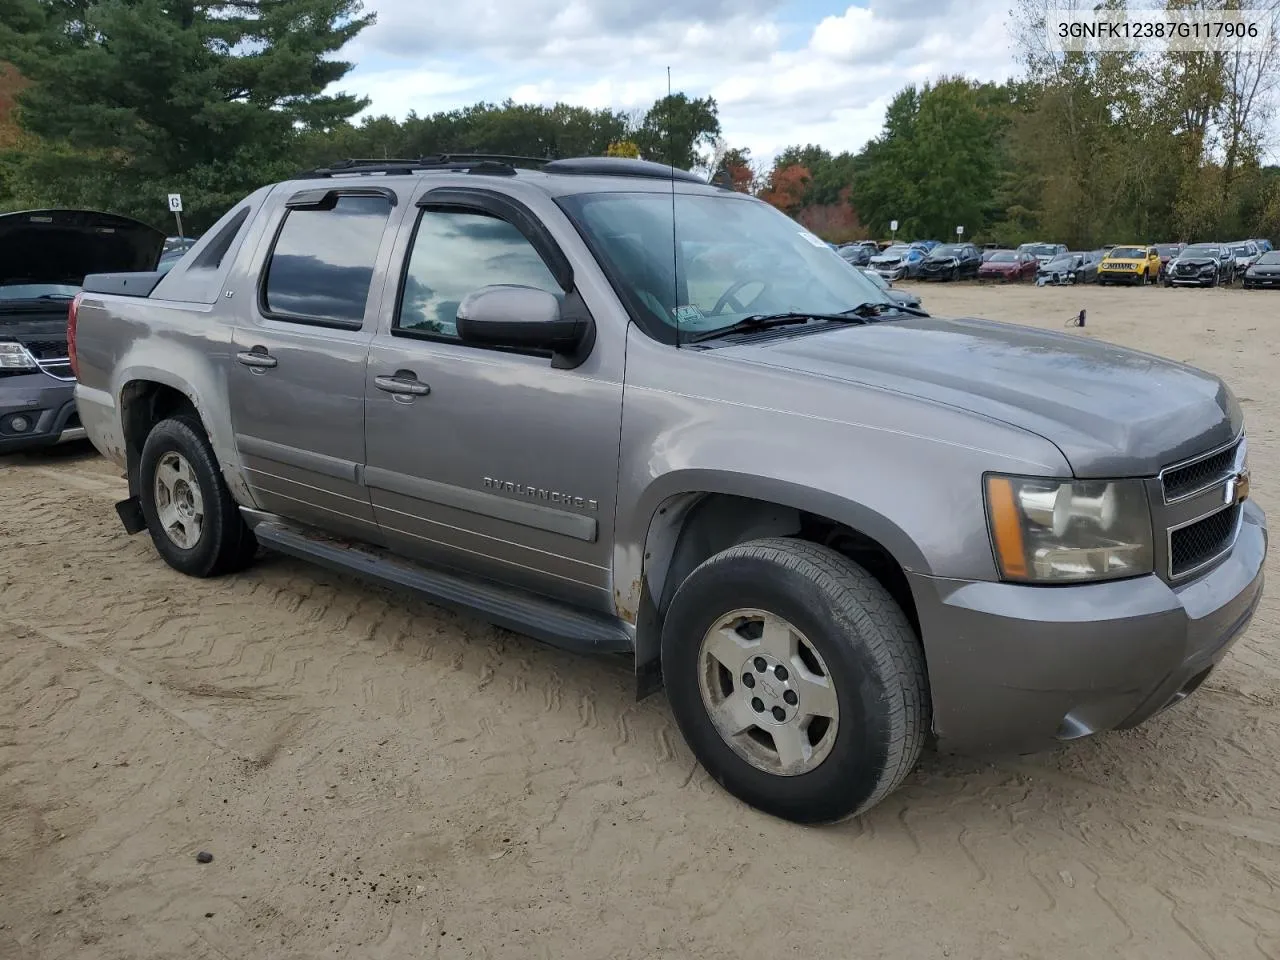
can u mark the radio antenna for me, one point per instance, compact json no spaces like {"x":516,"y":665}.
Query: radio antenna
{"x":675,"y":250}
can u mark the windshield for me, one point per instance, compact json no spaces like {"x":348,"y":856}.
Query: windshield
{"x":733,"y":258}
{"x":34,"y":291}
{"x":1270,"y":258}
{"x":1039,"y":249}
{"x":1201,"y":250}
{"x":1242,"y":250}
{"x":946,"y":250}
{"x":1003,"y":256}
{"x":897,"y":250}
{"x":1127,"y":253}
{"x":1168,"y":250}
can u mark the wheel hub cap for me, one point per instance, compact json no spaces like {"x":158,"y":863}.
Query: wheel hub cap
{"x":179,"y":503}
{"x":768,"y":692}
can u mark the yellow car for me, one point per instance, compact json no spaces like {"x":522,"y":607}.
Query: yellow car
{"x":1130,"y":264}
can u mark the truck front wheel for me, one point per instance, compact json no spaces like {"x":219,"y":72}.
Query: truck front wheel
{"x":796,"y":679}
{"x":191,"y":516}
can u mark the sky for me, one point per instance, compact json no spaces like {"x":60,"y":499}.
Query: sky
{"x":782,"y":71}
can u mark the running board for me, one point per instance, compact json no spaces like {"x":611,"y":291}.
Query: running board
{"x":553,"y":623}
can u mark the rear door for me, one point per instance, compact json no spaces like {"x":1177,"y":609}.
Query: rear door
{"x":488,"y":460}
{"x":297,"y":365}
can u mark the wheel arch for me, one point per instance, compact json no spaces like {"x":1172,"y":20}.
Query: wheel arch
{"x":688,"y":526}
{"x":145,"y":398}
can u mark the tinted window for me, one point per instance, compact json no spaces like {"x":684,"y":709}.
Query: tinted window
{"x":322,"y":263}
{"x":752,"y":259}
{"x":455,"y":253}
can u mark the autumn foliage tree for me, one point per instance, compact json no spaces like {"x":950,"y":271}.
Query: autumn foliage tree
{"x":786,"y":188}
{"x":623,"y":148}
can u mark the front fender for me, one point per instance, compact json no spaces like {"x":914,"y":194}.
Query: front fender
{"x":904,"y":471}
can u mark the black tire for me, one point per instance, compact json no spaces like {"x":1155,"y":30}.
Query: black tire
{"x":874,"y":661}
{"x":225,"y":544}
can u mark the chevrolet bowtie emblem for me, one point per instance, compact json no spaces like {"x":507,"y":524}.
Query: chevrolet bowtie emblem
{"x":1237,"y":488}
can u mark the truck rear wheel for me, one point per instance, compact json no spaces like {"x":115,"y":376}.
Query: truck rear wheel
{"x":191,"y":516}
{"x":796,"y":679}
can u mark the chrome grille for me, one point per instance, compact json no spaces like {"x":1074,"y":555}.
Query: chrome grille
{"x":46,"y":349}
{"x":60,"y":368}
{"x":1203,"y":541}
{"x":1184,"y":480}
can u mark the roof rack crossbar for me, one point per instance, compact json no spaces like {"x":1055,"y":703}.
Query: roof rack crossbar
{"x":441,"y":161}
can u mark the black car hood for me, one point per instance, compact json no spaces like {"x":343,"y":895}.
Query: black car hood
{"x":1113,"y":412}
{"x":1205,"y":261}
{"x":64,"y":246}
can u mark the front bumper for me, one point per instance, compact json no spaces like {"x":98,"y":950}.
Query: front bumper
{"x":1018,"y":669}
{"x":45,"y":401}
{"x":891,"y":273}
{"x":1120,"y":276}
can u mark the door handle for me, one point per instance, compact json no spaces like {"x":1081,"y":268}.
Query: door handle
{"x":403,"y":382}
{"x":257,"y":357}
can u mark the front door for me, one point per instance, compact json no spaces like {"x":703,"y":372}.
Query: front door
{"x":297,"y":366}
{"x":489,"y":460}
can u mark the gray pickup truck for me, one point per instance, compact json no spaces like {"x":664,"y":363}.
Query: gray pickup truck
{"x":624,"y":411}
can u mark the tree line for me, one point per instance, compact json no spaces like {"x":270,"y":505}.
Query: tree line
{"x":115,"y":103}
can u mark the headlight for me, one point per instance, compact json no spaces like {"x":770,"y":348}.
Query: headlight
{"x":14,"y":356}
{"x":1058,"y":531}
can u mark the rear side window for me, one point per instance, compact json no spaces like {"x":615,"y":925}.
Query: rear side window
{"x":321,"y":266}
{"x":211,"y":257}
{"x":456,"y":252}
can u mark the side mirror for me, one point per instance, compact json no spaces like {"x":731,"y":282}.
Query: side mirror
{"x":526,"y":318}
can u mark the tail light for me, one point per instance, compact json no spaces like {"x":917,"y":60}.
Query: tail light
{"x":73,"y":314}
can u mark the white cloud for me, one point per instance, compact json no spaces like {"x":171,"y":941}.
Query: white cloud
{"x":829,"y":88}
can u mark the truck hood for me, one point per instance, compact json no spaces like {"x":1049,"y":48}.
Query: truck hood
{"x":64,"y":246}
{"x":1113,"y":412}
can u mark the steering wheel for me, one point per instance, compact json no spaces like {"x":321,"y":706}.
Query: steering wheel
{"x":729,"y":297}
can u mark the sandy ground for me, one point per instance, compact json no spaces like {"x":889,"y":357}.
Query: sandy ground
{"x":378,"y":779}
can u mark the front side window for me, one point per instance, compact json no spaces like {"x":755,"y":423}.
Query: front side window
{"x":456,"y":252}
{"x":322,"y":264}
{"x":726,"y":258}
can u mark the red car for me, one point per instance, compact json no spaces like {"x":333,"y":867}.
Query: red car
{"x":1007,"y":266}
{"x":1167,"y":252}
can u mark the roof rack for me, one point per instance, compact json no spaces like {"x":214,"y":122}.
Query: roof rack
{"x":498,"y":164}
{"x":620,"y":167}
{"x":491,"y":163}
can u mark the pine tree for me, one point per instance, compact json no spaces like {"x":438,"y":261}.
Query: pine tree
{"x":133,"y":99}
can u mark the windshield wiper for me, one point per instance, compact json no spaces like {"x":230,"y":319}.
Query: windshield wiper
{"x":763,"y":321}
{"x":873,"y":309}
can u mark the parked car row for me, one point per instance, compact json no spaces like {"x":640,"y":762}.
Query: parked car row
{"x":1251,"y":262}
